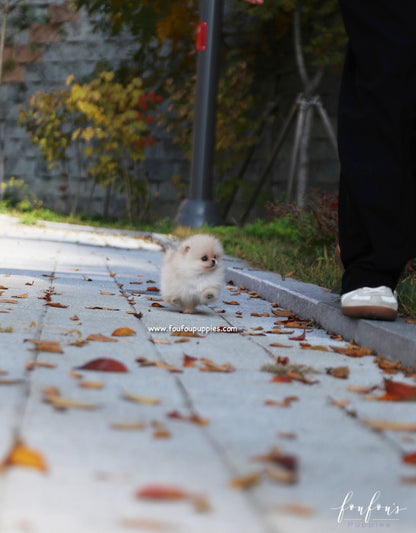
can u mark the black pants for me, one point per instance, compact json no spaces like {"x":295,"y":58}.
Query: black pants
{"x":377,"y":142}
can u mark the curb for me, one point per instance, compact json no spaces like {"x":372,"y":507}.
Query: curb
{"x":394,"y":340}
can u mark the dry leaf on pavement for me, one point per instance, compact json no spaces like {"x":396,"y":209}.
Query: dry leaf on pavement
{"x":398,"y":392}
{"x":193,"y":417}
{"x":104,"y":364}
{"x":210,"y":366}
{"x":387,"y":425}
{"x":100,"y":338}
{"x":140,"y":399}
{"x":42,"y":345}
{"x":247,"y":481}
{"x":352,"y":350}
{"x":21,"y":455}
{"x":123,"y":332}
{"x":341,"y":372}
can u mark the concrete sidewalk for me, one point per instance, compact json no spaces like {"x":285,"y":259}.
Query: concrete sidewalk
{"x":98,"y":442}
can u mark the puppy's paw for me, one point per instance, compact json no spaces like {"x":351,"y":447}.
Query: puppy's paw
{"x":189,"y":310}
{"x":209,"y":295}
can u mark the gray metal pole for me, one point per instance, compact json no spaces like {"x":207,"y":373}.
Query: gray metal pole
{"x":200,"y":207}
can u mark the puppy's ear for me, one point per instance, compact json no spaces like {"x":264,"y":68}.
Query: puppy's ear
{"x":184,"y":249}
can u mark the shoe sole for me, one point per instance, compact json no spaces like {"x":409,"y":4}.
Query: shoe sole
{"x":372,"y":312}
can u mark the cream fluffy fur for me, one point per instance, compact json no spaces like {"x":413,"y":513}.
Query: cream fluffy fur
{"x":193,"y":274}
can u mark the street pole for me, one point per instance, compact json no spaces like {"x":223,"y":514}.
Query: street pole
{"x":200,"y":208}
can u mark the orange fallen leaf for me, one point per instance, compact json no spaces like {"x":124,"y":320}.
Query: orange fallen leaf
{"x":186,"y":333}
{"x":307,"y":346}
{"x":56,"y":304}
{"x":91,"y":384}
{"x":246,"y":482}
{"x":210,"y":366}
{"x":233,"y":302}
{"x":193,"y":417}
{"x":162,"y":492}
{"x":398,"y":392}
{"x":282,"y":313}
{"x":123,"y":332}
{"x":298,"y":509}
{"x":153,"y":289}
{"x":296,"y":324}
{"x":30,"y":365}
{"x":169,"y":368}
{"x":106,"y":293}
{"x":287,"y":402}
{"x":281,"y":379}
{"x":278,"y":345}
{"x":341,"y":372}
{"x":156,"y":304}
{"x":8,"y":301}
{"x":281,"y":474}
{"x":143,"y":361}
{"x":46,"y":346}
{"x":21,"y":455}
{"x":161,"y":341}
{"x":299,"y":337}
{"x":100,"y":338}
{"x":362,"y":389}
{"x":353,"y":350}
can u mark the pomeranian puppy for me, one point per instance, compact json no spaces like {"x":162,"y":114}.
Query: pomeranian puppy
{"x":193,"y":274}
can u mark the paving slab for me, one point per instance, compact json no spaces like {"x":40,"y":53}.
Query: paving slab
{"x":196,"y":430}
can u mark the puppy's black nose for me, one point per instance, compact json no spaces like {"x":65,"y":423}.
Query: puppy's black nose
{"x":213,"y":262}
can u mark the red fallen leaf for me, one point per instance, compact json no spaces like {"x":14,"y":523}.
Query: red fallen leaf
{"x":409,"y":458}
{"x":153,"y":289}
{"x":281,"y":379}
{"x":162,"y":492}
{"x":282,"y":360}
{"x":398,"y":392}
{"x":189,"y":361}
{"x":104,"y":364}
{"x":299,"y":338}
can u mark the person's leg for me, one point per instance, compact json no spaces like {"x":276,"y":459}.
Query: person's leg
{"x":377,"y":111}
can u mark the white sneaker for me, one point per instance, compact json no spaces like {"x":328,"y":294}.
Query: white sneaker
{"x":379,"y":303}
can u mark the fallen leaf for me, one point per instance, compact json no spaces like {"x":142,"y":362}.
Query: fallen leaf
{"x":153,"y":289}
{"x":281,"y":379}
{"x":169,"y":368}
{"x":22,"y":296}
{"x":56,"y":304}
{"x":161,"y":341}
{"x":11,"y":381}
{"x":341,"y":372}
{"x":91,"y":384}
{"x":193,"y":417}
{"x":101,"y":308}
{"x":106,"y":293}
{"x":74,"y":318}
{"x":60,"y":403}
{"x":104,"y":364}
{"x":145,"y":524}
{"x":287,"y":402}
{"x":409,"y":458}
{"x":281,"y":474}
{"x":186,"y":333}
{"x":86,"y":278}
{"x":299,"y":337}
{"x":21,"y":455}
{"x":160,"y":431}
{"x":42,"y":345}
{"x":298,"y":509}
{"x":127,"y":426}
{"x":289,"y":435}
{"x":307,"y":346}
{"x":140,"y":399}
{"x":123,"y":332}
{"x":353,"y":350}
{"x":30,"y":365}
{"x":282,"y":313}
{"x":189,"y":361}
{"x":398,"y":392}
{"x":156,"y":304}
{"x":100,"y":338}
{"x":387,"y":425}
{"x":362,"y":389}
{"x":8,"y":301}
{"x":162,"y":492}
{"x":145,"y":362}
{"x":210,"y":366}
{"x":233,"y":302}
{"x":247,"y":481}
{"x":278,"y":345}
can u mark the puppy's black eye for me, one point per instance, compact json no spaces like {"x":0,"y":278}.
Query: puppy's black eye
{"x":205,"y":258}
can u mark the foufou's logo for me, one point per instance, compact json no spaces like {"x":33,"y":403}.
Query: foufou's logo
{"x":365,"y":512}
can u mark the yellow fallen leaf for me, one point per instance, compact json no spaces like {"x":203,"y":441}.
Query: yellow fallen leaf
{"x":21,"y":455}
{"x":91,"y":384}
{"x":46,"y":346}
{"x":127,"y":426}
{"x":140,"y":399}
{"x":246,"y":482}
